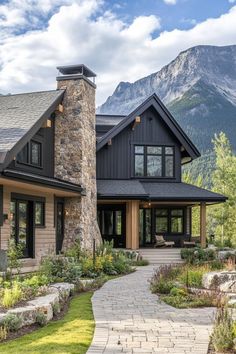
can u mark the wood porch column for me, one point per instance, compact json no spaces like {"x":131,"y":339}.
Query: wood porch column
{"x":203,"y":224}
{"x":132,"y":224}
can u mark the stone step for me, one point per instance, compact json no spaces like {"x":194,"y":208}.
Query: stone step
{"x":162,"y":256}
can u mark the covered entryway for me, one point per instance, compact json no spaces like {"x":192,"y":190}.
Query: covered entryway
{"x":112,"y":223}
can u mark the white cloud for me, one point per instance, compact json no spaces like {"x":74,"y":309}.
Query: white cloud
{"x":170,"y":2}
{"x":232,"y":1}
{"x":83,"y":32}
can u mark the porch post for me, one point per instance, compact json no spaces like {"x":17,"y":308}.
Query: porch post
{"x":132,"y":224}
{"x":203,"y":224}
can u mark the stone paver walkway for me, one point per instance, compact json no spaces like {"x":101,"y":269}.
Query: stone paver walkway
{"x":129,"y":319}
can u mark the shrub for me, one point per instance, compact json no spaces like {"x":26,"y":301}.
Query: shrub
{"x":12,"y":296}
{"x":14,"y":255}
{"x":192,"y":276}
{"x":12,"y":322}
{"x":198,"y":255}
{"x":3,"y":333}
{"x":162,"y":286}
{"x":41,"y":319}
{"x":216,"y":265}
{"x":140,"y":263}
{"x":60,"y":268}
{"x":74,"y":251}
{"x":178,"y":292}
{"x":121,"y":264}
{"x":36,"y":281}
{"x":223,"y":336}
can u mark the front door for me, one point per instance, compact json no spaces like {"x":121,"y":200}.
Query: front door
{"x":59,"y":225}
{"x":22,"y":225}
{"x":145,"y":227}
{"x":111,"y":221}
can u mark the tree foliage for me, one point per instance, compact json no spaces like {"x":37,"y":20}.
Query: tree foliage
{"x":222,"y":217}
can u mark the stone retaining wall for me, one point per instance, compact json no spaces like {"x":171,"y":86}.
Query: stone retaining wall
{"x":42,"y":304}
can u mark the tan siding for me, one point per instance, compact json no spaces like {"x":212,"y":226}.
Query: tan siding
{"x":44,"y":237}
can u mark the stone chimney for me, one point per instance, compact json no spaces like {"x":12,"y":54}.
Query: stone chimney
{"x":75,"y":153}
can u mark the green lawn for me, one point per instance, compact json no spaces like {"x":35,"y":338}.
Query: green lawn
{"x":70,"y":335}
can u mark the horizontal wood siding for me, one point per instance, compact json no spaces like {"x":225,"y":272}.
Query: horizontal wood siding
{"x":45,"y":237}
{"x":116,"y":161}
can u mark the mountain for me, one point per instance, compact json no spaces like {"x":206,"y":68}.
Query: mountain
{"x":198,"y":87}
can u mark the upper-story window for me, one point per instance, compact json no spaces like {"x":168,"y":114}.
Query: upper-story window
{"x":154,"y":161}
{"x":31,"y":154}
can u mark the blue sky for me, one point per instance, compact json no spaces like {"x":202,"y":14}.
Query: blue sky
{"x":183,"y":14}
{"x":120,"y":40}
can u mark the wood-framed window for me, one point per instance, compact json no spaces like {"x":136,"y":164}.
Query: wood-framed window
{"x":31,"y":154}
{"x":169,"y":221}
{"x":154,"y":161}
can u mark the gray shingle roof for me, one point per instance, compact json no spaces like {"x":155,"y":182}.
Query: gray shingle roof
{"x":155,"y":191}
{"x":19,"y":113}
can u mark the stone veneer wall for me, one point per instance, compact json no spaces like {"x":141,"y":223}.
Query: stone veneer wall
{"x":75,"y":159}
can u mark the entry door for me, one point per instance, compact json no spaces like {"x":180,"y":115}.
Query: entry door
{"x":22,"y":225}
{"x":145,"y":227}
{"x":59,"y":225}
{"x":111,"y":220}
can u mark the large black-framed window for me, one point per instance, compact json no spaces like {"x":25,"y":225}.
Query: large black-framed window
{"x":26,"y":213}
{"x":169,"y":221}
{"x":153,"y":161}
{"x":31,"y":154}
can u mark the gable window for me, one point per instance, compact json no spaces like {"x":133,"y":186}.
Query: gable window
{"x":35,"y":153}
{"x":31,"y":154}
{"x":153,"y":161}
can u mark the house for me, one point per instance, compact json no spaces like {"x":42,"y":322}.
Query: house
{"x":52,"y":193}
{"x":47,"y":166}
{"x":140,"y":192}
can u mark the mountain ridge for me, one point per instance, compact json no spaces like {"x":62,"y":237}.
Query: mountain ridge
{"x":198,"y":87}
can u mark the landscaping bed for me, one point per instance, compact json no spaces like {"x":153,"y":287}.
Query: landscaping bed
{"x":32,"y":300}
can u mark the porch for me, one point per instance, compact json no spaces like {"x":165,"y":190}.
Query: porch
{"x":133,"y":224}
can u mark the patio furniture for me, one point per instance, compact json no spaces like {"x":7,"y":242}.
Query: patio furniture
{"x":189,"y":244}
{"x":160,"y":242}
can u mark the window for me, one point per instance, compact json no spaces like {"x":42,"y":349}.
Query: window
{"x":161,"y":221}
{"x":169,"y":221}
{"x":31,"y":154}
{"x":153,"y":161}
{"x":35,"y":153}
{"x":177,"y":221}
{"x":39,"y":214}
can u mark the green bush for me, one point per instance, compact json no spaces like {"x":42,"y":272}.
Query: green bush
{"x":223,"y":332}
{"x":162,"y":287}
{"x":60,"y":268}
{"x":41,"y":319}
{"x":12,"y":295}
{"x":36,"y":281}
{"x":178,"y":292}
{"x":74,"y":251}
{"x":140,"y":263}
{"x":198,"y":255}
{"x":12,"y":322}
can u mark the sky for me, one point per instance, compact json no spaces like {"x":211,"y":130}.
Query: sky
{"x":120,"y":40}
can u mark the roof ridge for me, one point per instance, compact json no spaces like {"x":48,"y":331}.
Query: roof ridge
{"x":28,"y":93}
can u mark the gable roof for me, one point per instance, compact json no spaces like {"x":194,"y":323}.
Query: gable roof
{"x":21,"y":116}
{"x":154,"y":101}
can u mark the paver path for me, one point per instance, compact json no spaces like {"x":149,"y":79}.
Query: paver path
{"x":129,"y":319}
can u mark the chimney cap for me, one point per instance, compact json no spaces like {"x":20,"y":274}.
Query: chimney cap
{"x":79,"y":69}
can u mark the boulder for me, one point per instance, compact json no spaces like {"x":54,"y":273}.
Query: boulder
{"x":214,"y":280}
{"x":44,"y":304}
{"x":223,"y":254}
{"x":228,"y":286}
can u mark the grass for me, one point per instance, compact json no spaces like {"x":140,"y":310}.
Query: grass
{"x":70,"y":335}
